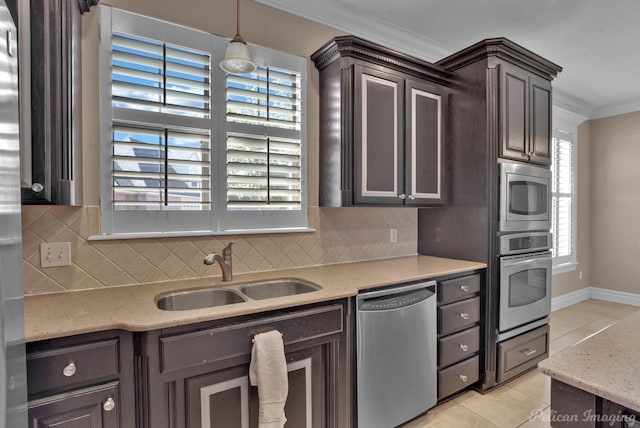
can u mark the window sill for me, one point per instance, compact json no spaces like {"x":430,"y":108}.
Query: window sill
{"x":117,"y":236}
{"x":564,"y":267}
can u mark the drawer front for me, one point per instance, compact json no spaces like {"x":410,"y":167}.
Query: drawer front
{"x":219,"y":343}
{"x":456,"y":316}
{"x":458,"y":377}
{"x":459,"y":288}
{"x":522,"y":352}
{"x":70,"y":366}
{"x":458,"y":346}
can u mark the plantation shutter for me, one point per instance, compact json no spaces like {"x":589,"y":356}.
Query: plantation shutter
{"x":264,"y":140}
{"x":186,"y":147}
{"x":563,"y":194}
{"x":156,"y":166}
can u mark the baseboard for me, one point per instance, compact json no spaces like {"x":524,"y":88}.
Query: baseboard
{"x":632,"y":299}
{"x":578,"y":296}
{"x":569,"y":299}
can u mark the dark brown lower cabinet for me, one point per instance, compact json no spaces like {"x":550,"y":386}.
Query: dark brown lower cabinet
{"x":83,"y":381}
{"x":572,"y":407}
{"x":85,"y":408}
{"x":197,"y":375}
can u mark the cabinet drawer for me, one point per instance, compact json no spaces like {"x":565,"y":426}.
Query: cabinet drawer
{"x":69,"y":366}
{"x":459,"y":315}
{"x":218,"y":343}
{"x":457,"y":377}
{"x":522,"y":352}
{"x":458,"y":346}
{"x":459,"y":288}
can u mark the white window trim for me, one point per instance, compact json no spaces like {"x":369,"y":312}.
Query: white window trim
{"x":568,"y":122}
{"x":181,"y":223}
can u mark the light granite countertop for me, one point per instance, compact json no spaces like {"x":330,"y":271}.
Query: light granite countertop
{"x":606,"y":364}
{"x":133,"y":307}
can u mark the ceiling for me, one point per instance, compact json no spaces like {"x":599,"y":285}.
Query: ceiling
{"x":595,"y":41}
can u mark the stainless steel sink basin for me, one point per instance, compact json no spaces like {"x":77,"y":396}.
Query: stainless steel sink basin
{"x":210,"y":297}
{"x":198,"y":299}
{"x":277,"y":288}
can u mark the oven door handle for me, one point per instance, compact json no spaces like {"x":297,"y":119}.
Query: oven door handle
{"x":528,"y":261}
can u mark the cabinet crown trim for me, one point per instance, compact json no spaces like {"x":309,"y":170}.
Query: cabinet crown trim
{"x":355,"y":47}
{"x":505,"y":49}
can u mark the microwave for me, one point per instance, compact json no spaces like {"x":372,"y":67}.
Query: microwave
{"x":525,"y":197}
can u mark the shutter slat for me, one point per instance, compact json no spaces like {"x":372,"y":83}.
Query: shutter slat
{"x":139,"y":60}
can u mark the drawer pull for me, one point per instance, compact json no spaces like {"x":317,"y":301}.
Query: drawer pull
{"x":70,"y":369}
{"x":109,"y":405}
{"x":529,"y":352}
{"x":464,"y":315}
{"x":465,"y":348}
{"x":463,"y":378}
{"x":464,"y":288}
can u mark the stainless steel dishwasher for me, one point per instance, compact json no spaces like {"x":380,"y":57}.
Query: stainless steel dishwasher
{"x":396,"y":354}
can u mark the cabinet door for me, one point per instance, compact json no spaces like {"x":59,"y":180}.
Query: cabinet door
{"x":540,"y":120}
{"x":378,"y":163}
{"x":514,"y":102}
{"x":225,"y":398}
{"x":424,"y":136}
{"x":86,"y":408}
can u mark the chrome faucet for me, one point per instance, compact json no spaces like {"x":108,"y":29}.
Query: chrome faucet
{"x":224,"y":261}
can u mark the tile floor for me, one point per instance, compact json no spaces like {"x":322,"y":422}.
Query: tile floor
{"x":524,"y":402}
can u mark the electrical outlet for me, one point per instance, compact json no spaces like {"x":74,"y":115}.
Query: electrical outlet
{"x":55,"y":254}
{"x":580,"y":275}
{"x":393,"y":236}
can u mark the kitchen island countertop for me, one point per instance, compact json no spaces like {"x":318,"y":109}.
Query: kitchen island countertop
{"x":606,"y":364}
{"x":133,"y":307}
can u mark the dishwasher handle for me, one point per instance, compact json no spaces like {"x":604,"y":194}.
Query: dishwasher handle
{"x":399,"y":300}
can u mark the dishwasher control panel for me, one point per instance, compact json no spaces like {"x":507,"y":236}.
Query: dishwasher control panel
{"x":395,"y":301}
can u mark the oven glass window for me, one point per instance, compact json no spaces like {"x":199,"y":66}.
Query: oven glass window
{"x":527,"y":198}
{"x":527,"y":286}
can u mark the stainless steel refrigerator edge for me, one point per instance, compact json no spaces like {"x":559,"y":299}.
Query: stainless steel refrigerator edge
{"x":13,"y":390}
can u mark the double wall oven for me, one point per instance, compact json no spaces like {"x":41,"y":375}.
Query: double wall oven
{"x":524,"y":245}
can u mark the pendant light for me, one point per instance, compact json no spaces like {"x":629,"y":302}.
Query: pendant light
{"x":238,"y":58}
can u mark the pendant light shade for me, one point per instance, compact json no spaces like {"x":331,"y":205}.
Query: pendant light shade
{"x":238,"y":58}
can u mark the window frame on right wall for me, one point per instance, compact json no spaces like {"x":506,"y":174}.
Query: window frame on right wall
{"x":564,"y":144}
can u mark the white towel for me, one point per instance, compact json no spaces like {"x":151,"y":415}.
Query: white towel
{"x":268,"y":370}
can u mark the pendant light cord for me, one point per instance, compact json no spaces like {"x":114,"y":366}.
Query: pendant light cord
{"x":237,"y":17}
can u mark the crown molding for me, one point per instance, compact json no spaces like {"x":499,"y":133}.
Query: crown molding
{"x":347,"y":18}
{"x":504,"y":48}
{"x":572,"y":103}
{"x":566,"y":120}
{"x":356,"y":47}
{"x":616,"y":110}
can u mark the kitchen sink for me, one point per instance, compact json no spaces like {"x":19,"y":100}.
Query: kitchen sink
{"x":220,"y":296}
{"x":277,"y":288}
{"x":198,"y":299}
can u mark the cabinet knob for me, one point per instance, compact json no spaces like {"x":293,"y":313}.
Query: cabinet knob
{"x":528,"y":352}
{"x":70,"y":369}
{"x":463,"y":378}
{"x":412,"y":197}
{"x":464,"y":315}
{"x":402,"y":196}
{"x":109,"y":405}
{"x":464,"y":288}
{"x":465,"y":348}
{"x":37,"y":187}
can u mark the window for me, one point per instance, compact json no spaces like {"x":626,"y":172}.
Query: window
{"x":563,"y":198}
{"x":189,"y":148}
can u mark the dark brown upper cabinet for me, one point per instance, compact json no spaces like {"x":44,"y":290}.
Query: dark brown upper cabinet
{"x":526,"y":116}
{"x":382,"y":126}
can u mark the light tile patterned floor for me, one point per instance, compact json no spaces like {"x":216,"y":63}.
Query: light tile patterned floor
{"x":524,"y":402}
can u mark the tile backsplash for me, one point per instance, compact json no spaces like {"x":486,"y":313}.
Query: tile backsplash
{"x":342,"y":235}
